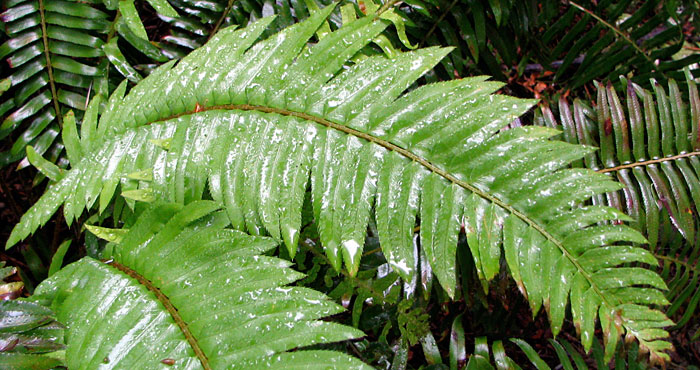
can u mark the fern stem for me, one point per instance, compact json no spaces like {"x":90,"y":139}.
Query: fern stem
{"x":646,"y":163}
{"x":52,"y":84}
{"x":169,"y":307}
{"x":113,"y":26}
{"x":410,"y":155}
{"x":221,"y":19}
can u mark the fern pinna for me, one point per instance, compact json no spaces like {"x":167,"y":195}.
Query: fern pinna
{"x":255,"y":122}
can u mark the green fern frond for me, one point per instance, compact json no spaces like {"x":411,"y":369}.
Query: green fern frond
{"x":59,"y":54}
{"x":651,"y":145}
{"x":45,"y":38}
{"x":263,"y":115}
{"x":181,"y":289}
{"x":202,"y":20}
{"x":645,"y":41}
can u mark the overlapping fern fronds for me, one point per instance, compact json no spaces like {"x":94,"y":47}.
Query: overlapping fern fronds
{"x":262,"y":116}
{"x":31,"y":337}
{"x":613,"y":38}
{"x":650,"y":143}
{"x":200,"y":20}
{"x":579,"y":41}
{"x":85,"y":39}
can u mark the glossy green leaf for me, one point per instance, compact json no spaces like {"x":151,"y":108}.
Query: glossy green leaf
{"x":503,"y":362}
{"x":110,"y":235}
{"x":478,"y":362}
{"x":17,"y":316}
{"x":119,"y":61}
{"x":131,"y":16}
{"x":57,"y":259}
{"x":70,"y":138}
{"x":430,"y":349}
{"x":458,"y":350}
{"x":47,"y":168}
{"x":400,"y":25}
{"x":163,"y":7}
{"x":531,"y":354}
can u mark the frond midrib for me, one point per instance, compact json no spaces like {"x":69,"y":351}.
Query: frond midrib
{"x":648,"y":162}
{"x":410,"y":155}
{"x":49,"y":68}
{"x":165,"y":301}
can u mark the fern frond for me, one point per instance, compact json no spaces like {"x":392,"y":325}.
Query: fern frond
{"x":263,"y":115}
{"x":651,"y":146}
{"x":181,"y":289}
{"x":45,"y":40}
{"x":646,"y":41}
{"x":649,"y":142}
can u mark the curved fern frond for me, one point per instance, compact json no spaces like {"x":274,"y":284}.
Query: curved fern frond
{"x":651,"y":145}
{"x":45,"y":40}
{"x":263,"y":115}
{"x":181,"y":289}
